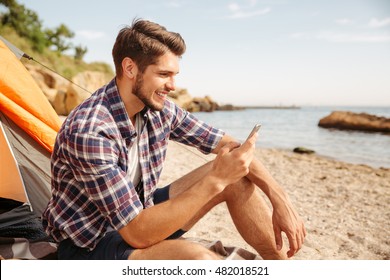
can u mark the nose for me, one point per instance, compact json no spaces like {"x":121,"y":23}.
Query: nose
{"x":171,"y":84}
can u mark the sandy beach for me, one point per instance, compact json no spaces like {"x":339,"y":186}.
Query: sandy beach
{"x":346,"y":207}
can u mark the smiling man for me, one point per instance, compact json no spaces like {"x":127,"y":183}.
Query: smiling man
{"x":109,"y":154}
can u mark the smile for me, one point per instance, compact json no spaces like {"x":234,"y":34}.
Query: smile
{"x":162,"y":94}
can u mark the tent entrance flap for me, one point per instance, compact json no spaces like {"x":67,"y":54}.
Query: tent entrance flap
{"x":33,"y":162}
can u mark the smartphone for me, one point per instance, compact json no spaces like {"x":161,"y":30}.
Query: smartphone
{"x":254,"y":130}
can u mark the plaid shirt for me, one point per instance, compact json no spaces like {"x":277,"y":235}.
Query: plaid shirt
{"x":91,"y":190}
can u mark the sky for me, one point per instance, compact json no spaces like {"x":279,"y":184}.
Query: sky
{"x":253,"y":52}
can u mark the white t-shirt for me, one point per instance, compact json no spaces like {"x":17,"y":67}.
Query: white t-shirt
{"x":134,"y":168}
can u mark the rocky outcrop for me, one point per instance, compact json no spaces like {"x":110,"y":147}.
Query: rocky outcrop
{"x":49,"y":82}
{"x":65,"y":96}
{"x":62,"y":94}
{"x":84,"y":84}
{"x":345,"y":120}
{"x":197,"y":104}
{"x":181,"y":97}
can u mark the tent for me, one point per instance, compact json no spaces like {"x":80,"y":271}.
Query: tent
{"x":28,"y":127}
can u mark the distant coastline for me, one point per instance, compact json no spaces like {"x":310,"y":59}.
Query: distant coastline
{"x":272,"y":107}
{"x":230,"y":107}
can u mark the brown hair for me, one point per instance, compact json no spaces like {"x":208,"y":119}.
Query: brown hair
{"x":144,"y":42}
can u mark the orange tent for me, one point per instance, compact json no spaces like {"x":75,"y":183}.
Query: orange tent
{"x":28,"y":127}
{"x":23,"y":101}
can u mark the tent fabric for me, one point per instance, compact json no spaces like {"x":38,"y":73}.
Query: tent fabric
{"x":28,"y":127}
{"x":29,"y":124}
{"x":12,"y":186}
{"x":23,"y":101}
{"x":19,"y":54}
{"x":33,"y":162}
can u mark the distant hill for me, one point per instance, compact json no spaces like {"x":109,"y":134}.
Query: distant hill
{"x":65,"y":65}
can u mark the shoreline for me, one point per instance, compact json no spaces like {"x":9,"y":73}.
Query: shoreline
{"x":331,"y":158}
{"x":345,"y":206}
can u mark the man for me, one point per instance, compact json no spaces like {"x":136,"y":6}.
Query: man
{"x":108,"y":158}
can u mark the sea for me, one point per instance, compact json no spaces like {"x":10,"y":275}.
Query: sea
{"x":287,"y":128}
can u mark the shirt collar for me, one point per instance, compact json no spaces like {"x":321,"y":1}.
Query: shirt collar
{"x":119,"y":112}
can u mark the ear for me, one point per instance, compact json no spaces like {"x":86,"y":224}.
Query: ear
{"x":129,"y":68}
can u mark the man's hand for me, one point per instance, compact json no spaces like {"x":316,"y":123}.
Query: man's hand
{"x":233,"y":160}
{"x":286,"y":219}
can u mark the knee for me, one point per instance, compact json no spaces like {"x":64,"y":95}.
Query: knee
{"x":243,"y":189}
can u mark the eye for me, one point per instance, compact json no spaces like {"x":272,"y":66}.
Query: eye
{"x":163,"y":74}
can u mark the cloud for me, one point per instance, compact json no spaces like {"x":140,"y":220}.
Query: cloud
{"x":90,"y":34}
{"x":248,"y":14}
{"x":246,"y":11}
{"x":234,"y":7}
{"x":344,"y":21}
{"x":376,"y":23}
{"x":298,"y":35}
{"x":353,"y":38}
{"x":174,"y":4}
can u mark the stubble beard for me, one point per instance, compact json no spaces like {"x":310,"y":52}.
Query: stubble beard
{"x":139,"y":92}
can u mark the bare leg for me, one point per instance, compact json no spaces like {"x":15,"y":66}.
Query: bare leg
{"x":174,"y":250}
{"x":248,"y":209}
{"x":252,"y":218}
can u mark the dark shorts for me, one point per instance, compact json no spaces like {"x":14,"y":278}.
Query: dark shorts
{"x":111,"y":246}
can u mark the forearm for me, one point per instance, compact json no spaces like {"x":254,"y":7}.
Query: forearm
{"x":156,"y":223}
{"x":261,"y":177}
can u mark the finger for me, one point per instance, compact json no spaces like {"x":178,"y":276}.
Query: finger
{"x":252,"y":139}
{"x":278,"y":238}
{"x":299,"y":241}
{"x":229,"y":147}
{"x":293,"y":245}
{"x":249,"y":144}
{"x":301,"y":237}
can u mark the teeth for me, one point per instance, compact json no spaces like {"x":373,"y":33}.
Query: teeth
{"x":161,"y":94}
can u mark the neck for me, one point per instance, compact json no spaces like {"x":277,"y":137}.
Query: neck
{"x":133,"y":104}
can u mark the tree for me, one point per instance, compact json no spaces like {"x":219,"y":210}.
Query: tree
{"x":25,"y":22}
{"x":28,"y":25}
{"x":80,"y":51}
{"x":59,"y":38}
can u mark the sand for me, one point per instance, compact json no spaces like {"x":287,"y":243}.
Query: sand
{"x":346,"y":207}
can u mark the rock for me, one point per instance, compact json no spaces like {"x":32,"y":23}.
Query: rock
{"x":181,"y":97}
{"x":59,"y":103}
{"x":303,"y":150}
{"x":88,"y":80}
{"x":345,"y":120}
{"x":202,"y":104}
{"x":62,"y":94}
{"x":197,"y":104}
{"x":49,"y":82}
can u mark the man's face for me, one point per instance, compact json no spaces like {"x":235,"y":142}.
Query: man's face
{"x":153,"y":86}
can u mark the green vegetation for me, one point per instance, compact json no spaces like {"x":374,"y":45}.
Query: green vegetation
{"x":23,"y":28}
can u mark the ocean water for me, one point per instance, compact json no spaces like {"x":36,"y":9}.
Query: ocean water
{"x":290,"y":128}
